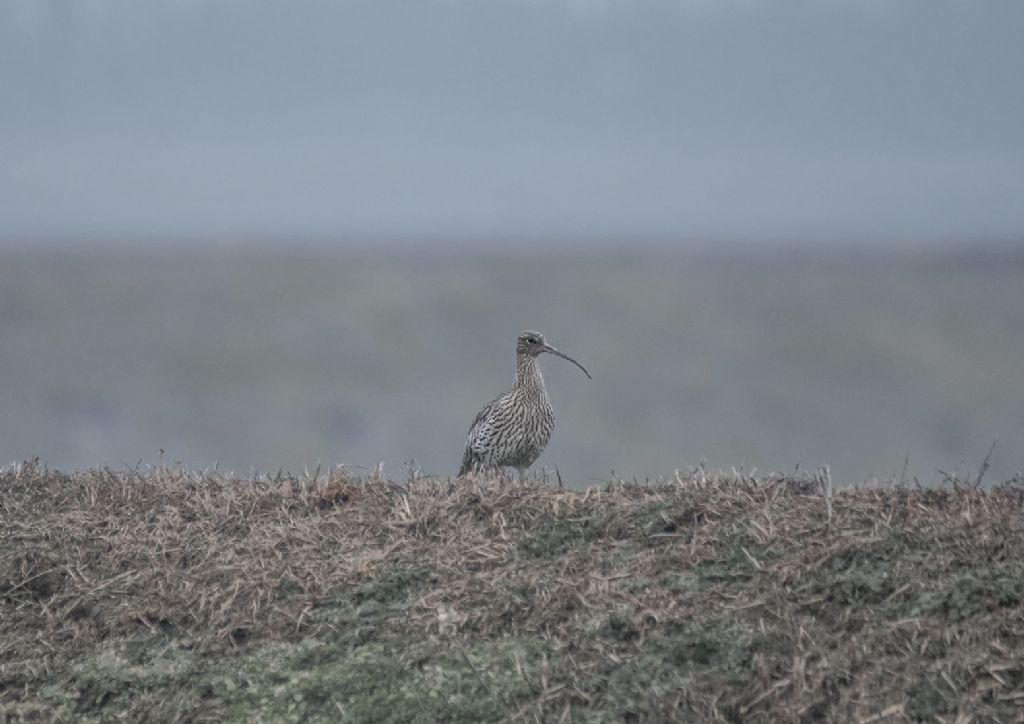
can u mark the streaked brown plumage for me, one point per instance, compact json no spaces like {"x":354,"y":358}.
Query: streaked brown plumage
{"x":512,"y":430}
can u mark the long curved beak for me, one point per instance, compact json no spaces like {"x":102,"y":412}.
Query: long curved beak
{"x":552,"y":350}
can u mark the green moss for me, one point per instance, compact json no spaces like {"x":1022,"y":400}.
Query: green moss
{"x":97,"y":687}
{"x":692,"y":647}
{"x":377,"y":683}
{"x":555,"y":535}
{"x":309,"y":681}
{"x":968,"y":597}
{"x":393,"y":585}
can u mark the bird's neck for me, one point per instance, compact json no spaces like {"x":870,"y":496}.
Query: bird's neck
{"x":528,"y":375}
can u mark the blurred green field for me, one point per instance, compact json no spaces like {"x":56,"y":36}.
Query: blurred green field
{"x":256,"y":360}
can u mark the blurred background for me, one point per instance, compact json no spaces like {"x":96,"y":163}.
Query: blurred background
{"x":263,"y":234}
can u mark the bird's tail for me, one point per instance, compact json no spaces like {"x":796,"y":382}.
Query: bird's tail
{"x":468,"y":463}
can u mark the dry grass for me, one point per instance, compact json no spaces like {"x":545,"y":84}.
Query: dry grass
{"x":177,"y":596}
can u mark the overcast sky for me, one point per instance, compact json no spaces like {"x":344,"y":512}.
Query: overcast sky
{"x":867,"y":120}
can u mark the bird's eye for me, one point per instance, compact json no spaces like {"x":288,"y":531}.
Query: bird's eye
{"x":532,"y":340}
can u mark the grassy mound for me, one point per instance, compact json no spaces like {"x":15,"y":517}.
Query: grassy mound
{"x":177,"y":596}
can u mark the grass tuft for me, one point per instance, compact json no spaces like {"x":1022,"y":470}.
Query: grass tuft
{"x":170,"y":595}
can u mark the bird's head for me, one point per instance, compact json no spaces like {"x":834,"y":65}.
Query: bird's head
{"x":532,"y":344}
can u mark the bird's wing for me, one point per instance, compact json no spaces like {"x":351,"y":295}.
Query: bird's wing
{"x":481,"y":417}
{"x":478,"y":432}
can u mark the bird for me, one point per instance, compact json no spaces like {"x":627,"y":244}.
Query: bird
{"x":513,"y":429}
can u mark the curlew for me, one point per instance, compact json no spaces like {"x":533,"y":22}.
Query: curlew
{"x":512,"y":430}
